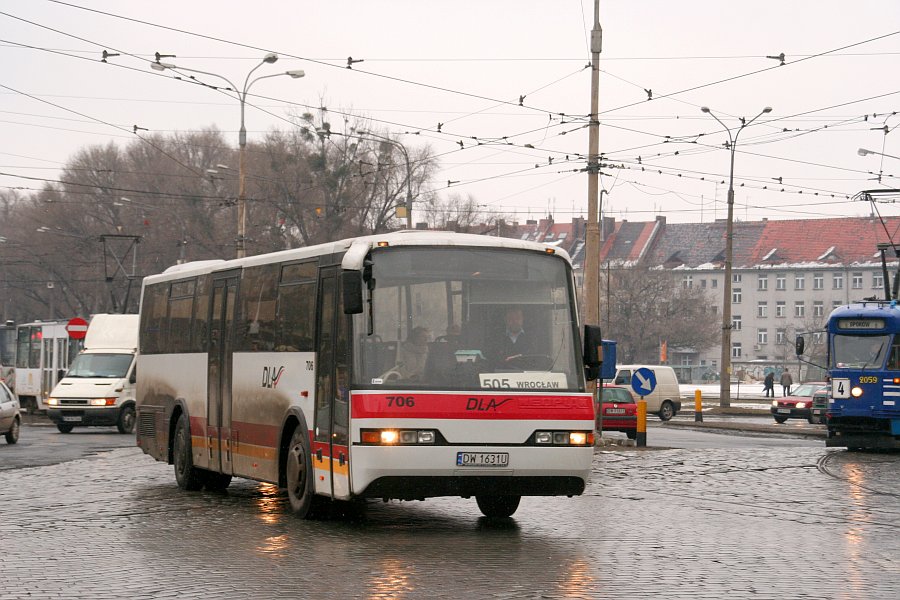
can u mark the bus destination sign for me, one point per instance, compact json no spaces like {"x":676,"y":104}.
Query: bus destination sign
{"x":860,"y":324}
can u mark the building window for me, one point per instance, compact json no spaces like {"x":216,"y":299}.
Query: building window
{"x":781,"y":281}
{"x":835,"y":304}
{"x":818,"y":281}
{"x":762,"y":336}
{"x":703,"y":283}
{"x":762,"y":309}
{"x":715,"y":283}
{"x":818,"y":308}
{"x":818,"y":337}
{"x":762,"y":282}
{"x":877,"y":281}
{"x":799,"y":282}
{"x":736,"y":322}
{"x":857,"y":281}
{"x":736,"y":296}
{"x":779,"y":336}
{"x":838,"y":281}
{"x":799,"y":309}
{"x":735,"y":278}
{"x":687,"y":281}
{"x":780,"y":309}
{"x":736,"y":350}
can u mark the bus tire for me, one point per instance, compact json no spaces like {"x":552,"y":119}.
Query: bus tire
{"x":125,"y":422}
{"x":187,"y":476}
{"x":498,"y":507}
{"x":216,"y":482}
{"x":300,"y":479}
{"x":12,"y":436}
{"x":65,"y":427}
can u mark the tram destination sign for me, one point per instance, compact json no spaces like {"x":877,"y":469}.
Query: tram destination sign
{"x":860,"y":323}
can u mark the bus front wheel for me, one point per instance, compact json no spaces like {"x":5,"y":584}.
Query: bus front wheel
{"x":498,"y":506}
{"x":187,"y":476}
{"x":300,"y":482}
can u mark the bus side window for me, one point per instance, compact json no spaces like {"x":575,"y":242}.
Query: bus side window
{"x":894,"y":360}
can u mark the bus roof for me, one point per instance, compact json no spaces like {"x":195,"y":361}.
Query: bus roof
{"x":409,"y":237}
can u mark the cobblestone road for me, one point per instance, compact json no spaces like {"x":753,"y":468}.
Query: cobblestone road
{"x":756,"y":523}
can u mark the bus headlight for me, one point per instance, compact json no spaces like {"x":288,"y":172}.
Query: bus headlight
{"x":394,"y":437}
{"x":564,"y":438}
{"x":856,"y":391}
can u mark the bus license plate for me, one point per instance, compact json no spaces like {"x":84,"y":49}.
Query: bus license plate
{"x":482,"y":459}
{"x":75,"y":419}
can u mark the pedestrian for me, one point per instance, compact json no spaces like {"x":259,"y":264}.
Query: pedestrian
{"x":769,"y":384}
{"x":786,"y":382}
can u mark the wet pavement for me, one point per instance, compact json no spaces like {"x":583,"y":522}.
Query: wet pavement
{"x":781,"y":522}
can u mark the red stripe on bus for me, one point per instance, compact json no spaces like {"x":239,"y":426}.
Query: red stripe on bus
{"x":471,"y":406}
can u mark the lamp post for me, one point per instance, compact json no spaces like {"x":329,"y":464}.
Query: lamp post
{"x":409,"y":222}
{"x":864,"y":152}
{"x":725,"y":371}
{"x":269,"y":58}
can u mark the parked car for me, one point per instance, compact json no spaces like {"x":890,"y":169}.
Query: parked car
{"x":665,"y":399}
{"x":10,"y":420}
{"x":820,"y":405}
{"x":798,"y":404}
{"x":619,"y":411}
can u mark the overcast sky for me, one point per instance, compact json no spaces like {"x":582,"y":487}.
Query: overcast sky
{"x":465,"y":64}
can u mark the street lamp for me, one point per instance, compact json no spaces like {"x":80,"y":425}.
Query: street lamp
{"x":725,"y":371}
{"x":269,"y":58}
{"x":409,"y":222}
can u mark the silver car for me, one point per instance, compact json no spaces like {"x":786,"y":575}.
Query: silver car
{"x":10,"y":420}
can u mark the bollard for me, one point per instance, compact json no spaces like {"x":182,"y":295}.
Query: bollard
{"x":641,"y":438}
{"x":698,"y":406}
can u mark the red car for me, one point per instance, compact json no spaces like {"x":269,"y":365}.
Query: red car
{"x":797,"y":404}
{"x":619,"y":411}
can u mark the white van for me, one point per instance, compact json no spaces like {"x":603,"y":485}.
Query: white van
{"x":665,"y":399}
{"x":98,"y":388}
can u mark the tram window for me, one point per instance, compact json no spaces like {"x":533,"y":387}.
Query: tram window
{"x":153,"y":316}
{"x":894,"y":360}
{"x":258,"y":288}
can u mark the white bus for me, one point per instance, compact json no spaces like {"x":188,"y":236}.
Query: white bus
{"x":43,"y":353}
{"x":295,"y":368}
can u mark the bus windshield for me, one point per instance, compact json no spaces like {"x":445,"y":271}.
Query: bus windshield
{"x":103,"y":366}
{"x":462,"y":318}
{"x":859,"y":351}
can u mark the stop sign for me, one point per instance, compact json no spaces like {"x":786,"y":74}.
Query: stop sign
{"x":77,"y":328}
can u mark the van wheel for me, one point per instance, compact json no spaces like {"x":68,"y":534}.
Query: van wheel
{"x":498,"y":507}
{"x":666,"y":411}
{"x":125,"y":423}
{"x":65,"y":427}
{"x":12,"y":436}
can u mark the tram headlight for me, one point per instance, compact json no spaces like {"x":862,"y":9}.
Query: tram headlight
{"x":856,"y":391}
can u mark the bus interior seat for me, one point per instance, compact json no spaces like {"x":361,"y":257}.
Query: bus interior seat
{"x":378,"y":356}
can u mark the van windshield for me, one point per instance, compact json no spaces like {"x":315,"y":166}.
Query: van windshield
{"x":105,"y":366}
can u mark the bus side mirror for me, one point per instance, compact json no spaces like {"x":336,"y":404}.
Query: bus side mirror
{"x":593,"y":352}
{"x":351,"y":285}
{"x":799,"y":345}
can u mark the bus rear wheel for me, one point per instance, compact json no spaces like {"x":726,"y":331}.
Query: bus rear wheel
{"x":187,"y":476}
{"x":299,"y":475}
{"x":498,"y":506}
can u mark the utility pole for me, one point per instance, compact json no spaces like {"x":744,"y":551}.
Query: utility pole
{"x":592,"y":234}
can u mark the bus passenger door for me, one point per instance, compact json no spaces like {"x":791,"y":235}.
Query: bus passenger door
{"x":331,"y":452}
{"x":219,"y":373}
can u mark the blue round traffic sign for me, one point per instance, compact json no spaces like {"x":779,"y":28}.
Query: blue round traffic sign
{"x":643,"y":381}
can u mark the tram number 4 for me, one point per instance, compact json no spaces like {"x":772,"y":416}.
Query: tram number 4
{"x":840,"y":389}
{"x":401,"y":401}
